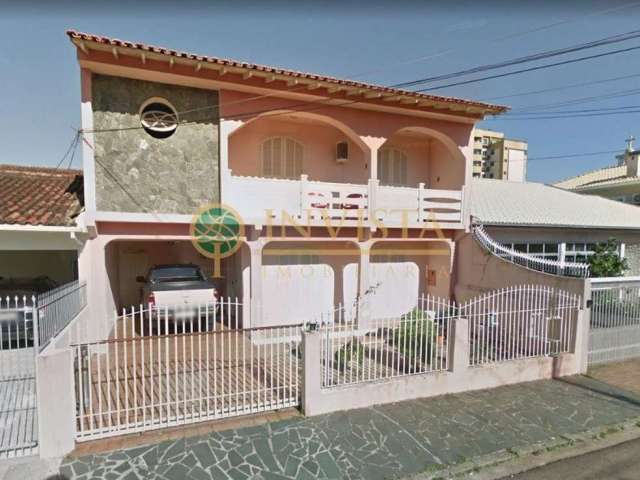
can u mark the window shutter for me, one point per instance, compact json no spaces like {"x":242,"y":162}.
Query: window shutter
{"x":267,"y":163}
{"x":281,"y":158}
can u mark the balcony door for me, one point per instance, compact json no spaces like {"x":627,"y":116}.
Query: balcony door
{"x":392,"y":167}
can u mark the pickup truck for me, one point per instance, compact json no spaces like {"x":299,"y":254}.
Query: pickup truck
{"x":180,"y":289}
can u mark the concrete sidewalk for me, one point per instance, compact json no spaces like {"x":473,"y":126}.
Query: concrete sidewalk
{"x":389,"y":441}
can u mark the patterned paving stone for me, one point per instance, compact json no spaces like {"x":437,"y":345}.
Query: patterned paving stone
{"x":387,"y":441}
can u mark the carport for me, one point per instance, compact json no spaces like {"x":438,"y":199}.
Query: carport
{"x":127,"y":259}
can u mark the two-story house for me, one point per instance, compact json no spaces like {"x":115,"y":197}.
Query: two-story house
{"x":345,"y":190}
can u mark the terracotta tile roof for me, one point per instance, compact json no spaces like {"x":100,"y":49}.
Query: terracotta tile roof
{"x":80,"y":39}
{"x":40,"y":196}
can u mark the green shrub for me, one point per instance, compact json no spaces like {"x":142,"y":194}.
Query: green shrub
{"x":415,"y":336}
{"x":605,"y":260}
{"x":352,"y":351}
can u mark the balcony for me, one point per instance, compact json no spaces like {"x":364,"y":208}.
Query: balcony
{"x":310,"y":169}
{"x":262,"y":200}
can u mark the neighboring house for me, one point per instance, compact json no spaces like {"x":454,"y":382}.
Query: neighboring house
{"x":551,"y":223}
{"x":495,"y":156}
{"x":166,"y":133}
{"x":39,"y":236}
{"x":620,"y":182}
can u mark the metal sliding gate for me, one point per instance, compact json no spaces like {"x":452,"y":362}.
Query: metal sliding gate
{"x":164,"y":367}
{"x":614,"y":333}
{"x":18,"y":417}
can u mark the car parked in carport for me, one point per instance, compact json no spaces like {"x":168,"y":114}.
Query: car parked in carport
{"x":182,"y":292}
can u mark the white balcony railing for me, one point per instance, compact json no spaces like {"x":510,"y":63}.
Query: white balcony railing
{"x":261,"y":200}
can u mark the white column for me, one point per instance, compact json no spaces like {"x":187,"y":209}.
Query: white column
{"x":88,"y":145}
{"x":256,"y":317}
{"x":227,"y":127}
{"x":374,"y":144}
{"x":56,"y":403}
{"x":312,"y":373}
{"x":459,"y":347}
{"x":562,"y":253}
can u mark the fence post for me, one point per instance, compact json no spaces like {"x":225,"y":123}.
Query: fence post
{"x":581,"y":344}
{"x":56,"y":403}
{"x":311,"y":371}
{"x":459,"y":346}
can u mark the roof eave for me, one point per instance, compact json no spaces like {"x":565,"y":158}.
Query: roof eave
{"x":86,"y":42}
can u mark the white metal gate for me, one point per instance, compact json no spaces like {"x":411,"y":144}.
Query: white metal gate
{"x":614,"y":333}
{"x":167,"y":366}
{"x":18,"y":417}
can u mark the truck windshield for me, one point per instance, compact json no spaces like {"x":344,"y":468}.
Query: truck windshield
{"x":173,"y":274}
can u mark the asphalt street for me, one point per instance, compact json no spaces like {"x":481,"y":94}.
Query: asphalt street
{"x":620,"y":462}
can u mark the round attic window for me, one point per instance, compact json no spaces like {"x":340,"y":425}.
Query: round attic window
{"x":158,"y":118}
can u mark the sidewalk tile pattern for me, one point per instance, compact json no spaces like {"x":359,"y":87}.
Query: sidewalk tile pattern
{"x":389,"y":441}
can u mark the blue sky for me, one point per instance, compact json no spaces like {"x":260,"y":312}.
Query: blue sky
{"x":379,"y":42}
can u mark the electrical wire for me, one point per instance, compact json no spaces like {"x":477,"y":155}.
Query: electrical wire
{"x":562,"y":87}
{"x":530,"y":69}
{"x":72,"y":146}
{"x":555,"y":117}
{"x":623,"y":37}
{"x":573,"y":155}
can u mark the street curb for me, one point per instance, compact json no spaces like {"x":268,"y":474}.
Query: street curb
{"x":520,"y":459}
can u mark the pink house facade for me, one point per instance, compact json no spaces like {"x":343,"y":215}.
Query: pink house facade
{"x":345,"y":190}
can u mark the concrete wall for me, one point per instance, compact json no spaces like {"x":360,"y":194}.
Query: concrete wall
{"x":477,"y":271}
{"x":136,"y":172}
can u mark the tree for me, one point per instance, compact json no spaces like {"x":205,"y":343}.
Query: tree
{"x":606,"y":261}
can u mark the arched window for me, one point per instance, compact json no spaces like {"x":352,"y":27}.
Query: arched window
{"x":392,"y":167}
{"x":281,"y":157}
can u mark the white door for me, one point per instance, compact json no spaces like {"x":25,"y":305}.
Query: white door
{"x":132,"y":264}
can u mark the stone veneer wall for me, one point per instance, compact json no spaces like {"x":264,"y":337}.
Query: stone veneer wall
{"x":138,"y":173}
{"x":632,"y":254}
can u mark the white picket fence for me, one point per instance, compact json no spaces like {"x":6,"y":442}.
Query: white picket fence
{"x":415,"y":343}
{"x":615,"y":320}
{"x":569,"y":269}
{"x":165,"y":366}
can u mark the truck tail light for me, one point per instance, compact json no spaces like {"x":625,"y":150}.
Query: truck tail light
{"x":151,"y":299}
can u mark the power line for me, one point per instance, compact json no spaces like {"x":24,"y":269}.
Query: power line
{"x":584,"y":110}
{"x":498,"y":39}
{"x":584,"y":154}
{"x":563,"y":87}
{"x":576,"y":101}
{"x":531,"y":69}
{"x":72,"y":146}
{"x":555,"y":117}
{"x":623,"y":37}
